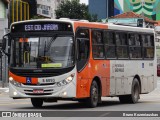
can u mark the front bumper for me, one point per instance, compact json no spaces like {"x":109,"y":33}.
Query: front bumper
{"x":50,"y":91}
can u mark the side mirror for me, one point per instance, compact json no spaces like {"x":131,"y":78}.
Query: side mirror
{"x":5,"y":43}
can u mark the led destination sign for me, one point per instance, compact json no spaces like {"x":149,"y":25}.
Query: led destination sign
{"x":44,"y":27}
{"x":41,"y":27}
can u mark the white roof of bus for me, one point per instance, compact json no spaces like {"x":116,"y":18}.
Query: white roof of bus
{"x":35,"y":20}
{"x":111,"y":26}
{"x":130,"y":28}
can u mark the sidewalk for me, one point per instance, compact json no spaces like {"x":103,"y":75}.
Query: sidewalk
{"x":4,"y":90}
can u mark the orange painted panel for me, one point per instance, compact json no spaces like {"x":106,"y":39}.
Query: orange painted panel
{"x":22,"y":79}
{"x":90,"y":25}
{"x":99,"y":68}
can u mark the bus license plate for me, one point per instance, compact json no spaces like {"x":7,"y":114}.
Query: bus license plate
{"x":38,"y":91}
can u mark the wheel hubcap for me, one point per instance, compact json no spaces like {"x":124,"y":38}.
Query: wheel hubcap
{"x":136,"y":93}
{"x":94,"y":94}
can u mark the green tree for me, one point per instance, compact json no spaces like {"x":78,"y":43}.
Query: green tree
{"x":74,"y":10}
{"x":37,"y":17}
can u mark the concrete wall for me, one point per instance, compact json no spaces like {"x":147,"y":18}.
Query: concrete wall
{"x":44,"y":2}
{"x":54,"y":6}
{"x":3,"y":25}
{"x":51,"y":4}
{"x":2,"y":10}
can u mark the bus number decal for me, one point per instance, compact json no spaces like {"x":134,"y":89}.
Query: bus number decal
{"x":119,"y":67}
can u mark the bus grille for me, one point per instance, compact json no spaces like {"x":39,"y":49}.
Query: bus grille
{"x":37,"y":75}
{"x":38,"y":84}
{"x":38,"y":94}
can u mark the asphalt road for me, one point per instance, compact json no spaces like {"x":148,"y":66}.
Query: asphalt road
{"x":148,"y":102}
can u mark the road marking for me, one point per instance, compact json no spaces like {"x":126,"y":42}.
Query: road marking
{"x":3,"y":104}
{"x":104,"y":115}
{"x":4,"y":95}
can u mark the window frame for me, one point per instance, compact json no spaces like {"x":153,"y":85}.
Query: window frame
{"x":76,"y":48}
{"x":128,"y":45}
{"x":120,"y":32}
{"x":95,"y":44}
{"x":143,"y":47}
{"x":135,"y":46}
{"x":113,"y":32}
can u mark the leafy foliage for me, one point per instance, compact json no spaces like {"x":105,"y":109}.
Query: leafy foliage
{"x":37,"y":17}
{"x":74,"y":10}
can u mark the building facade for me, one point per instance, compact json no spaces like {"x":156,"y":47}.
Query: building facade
{"x":46,"y":8}
{"x":132,"y":19}
{"x":102,"y":8}
{"x":3,"y":31}
{"x":147,"y":8}
{"x":3,"y":18}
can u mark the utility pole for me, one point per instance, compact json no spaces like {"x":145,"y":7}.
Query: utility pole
{"x":107,"y":8}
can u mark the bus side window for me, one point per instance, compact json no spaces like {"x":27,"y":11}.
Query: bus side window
{"x":97,"y":46}
{"x":83,"y":48}
{"x":137,"y":40}
{"x":131,"y":39}
{"x":118,"y":40}
{"x":122,"y":45}
{"x":135,"y":46}
{"x":148,"y":46}
{"x":110,"y":47}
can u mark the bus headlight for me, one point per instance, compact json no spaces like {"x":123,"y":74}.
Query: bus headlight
{"x":10,"y":78}
{"x":13,"y":82}
{"x":66,"y":81}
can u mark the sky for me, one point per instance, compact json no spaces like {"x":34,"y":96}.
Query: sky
{"x":84,"y":1}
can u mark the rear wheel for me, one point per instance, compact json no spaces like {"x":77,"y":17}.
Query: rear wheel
{"x":37,"y":102}
{"x":135,"y":93}
{"x":92,"y":101}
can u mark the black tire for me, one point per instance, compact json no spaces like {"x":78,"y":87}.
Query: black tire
{"x":37,"y":102}
{"x":135,"y":93}
{"x":92,"y":101}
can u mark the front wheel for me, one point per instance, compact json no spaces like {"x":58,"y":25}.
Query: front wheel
{"x":37,"y":102}
{"x":92,"y":101}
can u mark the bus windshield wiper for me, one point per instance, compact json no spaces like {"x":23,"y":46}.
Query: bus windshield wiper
{"x":46,"y":49}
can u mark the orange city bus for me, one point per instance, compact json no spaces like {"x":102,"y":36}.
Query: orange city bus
{"x":62,"y":59}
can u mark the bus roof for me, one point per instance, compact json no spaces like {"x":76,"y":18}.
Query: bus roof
{"x":110,"y":26}
{"x":130,"y":28}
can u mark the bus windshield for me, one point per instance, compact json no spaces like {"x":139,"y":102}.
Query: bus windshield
{"x":42,"y":52}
